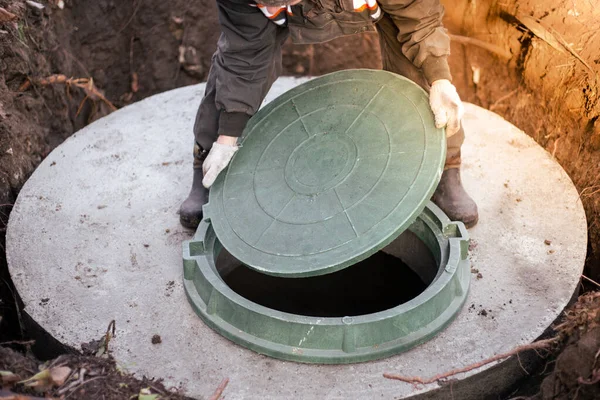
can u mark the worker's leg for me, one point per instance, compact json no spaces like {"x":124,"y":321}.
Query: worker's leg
{"x":205,"y":132}
{"x":206,"y":129}
{"x":450,"y":195}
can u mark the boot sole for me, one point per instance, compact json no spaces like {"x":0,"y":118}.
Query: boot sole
{"x":472,"y":223}
{"x":190,"y":223}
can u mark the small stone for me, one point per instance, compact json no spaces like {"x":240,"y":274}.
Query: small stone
{"x":550,"y":251}
{"x":479,"y":275}
{"x":53,"y":163}
{"x":146,"y":245}
{"x":35,"y":4}
{"x":547,"y":242}
{"x":519,"y":199}
{"x":101,"y":206}
{"x":10,"y":151}
{"x":167,"y":231}
{"x":156,"y":339}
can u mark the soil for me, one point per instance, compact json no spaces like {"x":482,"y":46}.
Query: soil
{"x":133,"y":49}
{"x":88,"y":378}
{"x":576,"y":373}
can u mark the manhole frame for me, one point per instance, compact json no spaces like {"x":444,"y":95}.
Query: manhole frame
{"x":339,"y":340}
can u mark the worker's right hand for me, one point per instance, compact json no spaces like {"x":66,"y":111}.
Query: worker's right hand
{"x":447,"y":108}
{"x":218,"y":158}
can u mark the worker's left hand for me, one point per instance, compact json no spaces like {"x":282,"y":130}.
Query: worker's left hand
{"x":447,"y":108}
{"x":218,"y":158}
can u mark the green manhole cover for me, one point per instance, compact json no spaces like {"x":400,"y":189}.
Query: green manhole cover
{"x":328,"y":174}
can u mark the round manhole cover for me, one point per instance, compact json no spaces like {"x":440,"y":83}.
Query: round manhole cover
{"x":328,"y":173}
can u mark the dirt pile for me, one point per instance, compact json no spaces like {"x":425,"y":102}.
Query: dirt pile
{"x":75,"y":377}
{"x":31,"y":123}
{"x":576,"y":374}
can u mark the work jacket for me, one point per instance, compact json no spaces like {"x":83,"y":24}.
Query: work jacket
{"x":249,"y":48}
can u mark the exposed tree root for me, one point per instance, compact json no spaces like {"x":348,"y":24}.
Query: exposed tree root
{"x":499,"y":51}
{"x":541,"y":345}
{"x":87,"y":84}
{"x":217,"y":394}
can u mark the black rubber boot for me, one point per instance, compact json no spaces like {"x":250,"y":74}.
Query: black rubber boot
{"x":452,"y":198}
{"x":190,"y":212}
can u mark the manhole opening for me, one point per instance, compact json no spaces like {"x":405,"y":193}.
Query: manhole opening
{"x":393,"y":276}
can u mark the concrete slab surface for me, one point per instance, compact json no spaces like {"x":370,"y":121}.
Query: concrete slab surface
{"x":95,"y":236}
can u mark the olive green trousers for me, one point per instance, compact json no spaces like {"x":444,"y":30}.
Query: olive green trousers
{"x":394,"y":61}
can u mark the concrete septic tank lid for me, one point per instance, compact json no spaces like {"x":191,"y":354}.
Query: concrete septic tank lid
{"x":351,"y":338}
{"x":94,"y":236}
{"x":328,"y":173}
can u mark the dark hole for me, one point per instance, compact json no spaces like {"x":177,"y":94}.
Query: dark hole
{"x":378,"y":283}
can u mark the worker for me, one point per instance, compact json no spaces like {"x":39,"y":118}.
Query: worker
{"x":247,"y":61}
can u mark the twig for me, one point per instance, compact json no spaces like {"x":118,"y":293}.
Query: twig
{"x":546,"y":367}
{"x":555,"y":147}
{"x":593,"y":193}
{"x":499,"y":51}
{"x":87,"y":84}
{"x":591,"y":280}
{"x":135,"y":10}
{"x":521,"y":365}
{"x":588,"y":188}
{"x":156,"y":389}
{"x":582,"y":194}
{"x":110,"y":333}
{"x":566,"y":45}
{"x":74,"y":384}
{"x":501,"y":99}
{"x":84,"y":383}
{"x":550,"y":36}
{"x":217,"y":394}
{"x":23,"y":343}
{"x":542,"y":344}
{"x":534,"y":26}
{"x":81,"y":105}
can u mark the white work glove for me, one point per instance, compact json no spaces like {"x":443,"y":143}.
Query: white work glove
{"x":447,"y":108}
{"x":218,"y":158}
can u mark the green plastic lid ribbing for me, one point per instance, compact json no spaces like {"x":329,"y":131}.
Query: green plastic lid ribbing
{"x":328,"y":174}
